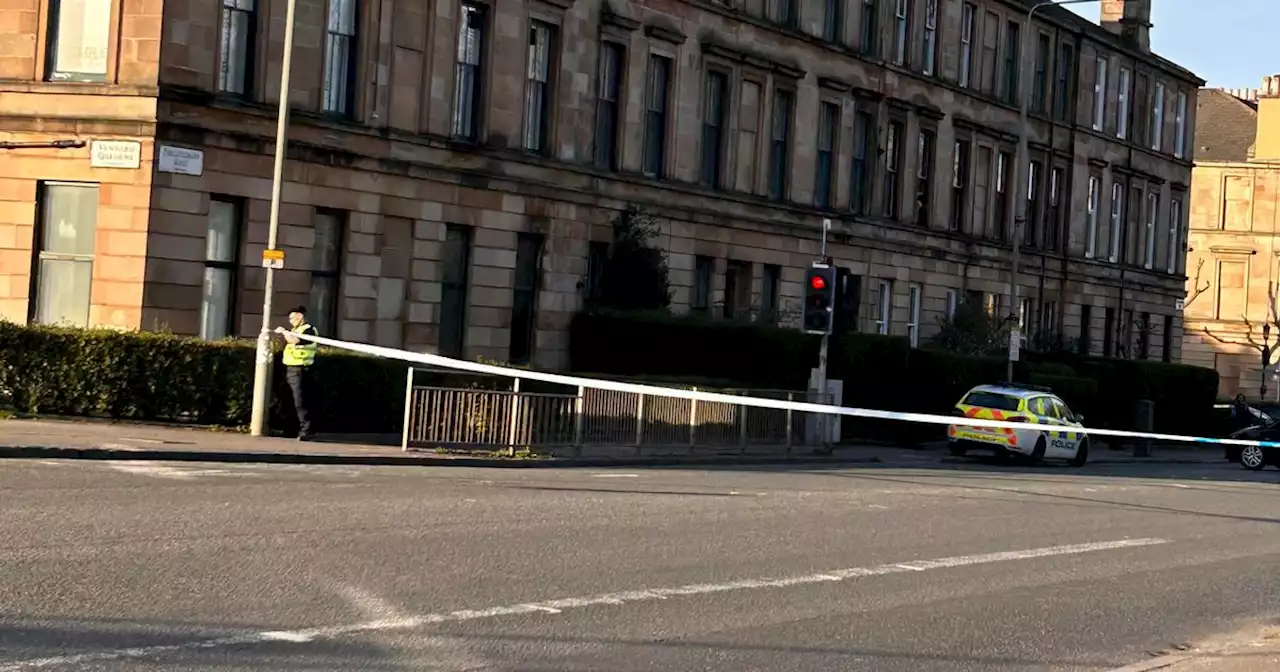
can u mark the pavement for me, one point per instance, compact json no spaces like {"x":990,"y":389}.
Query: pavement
{"x":88,"y":439}
{"x":186,"y":566}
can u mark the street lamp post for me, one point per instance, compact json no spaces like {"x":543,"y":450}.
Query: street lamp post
{"x":1021,"y":189}
{"x":262,"y":369}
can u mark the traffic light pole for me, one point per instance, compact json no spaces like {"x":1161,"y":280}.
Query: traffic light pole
{"x":822,"y":352}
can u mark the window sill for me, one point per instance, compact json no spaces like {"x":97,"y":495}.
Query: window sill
{"x":78,"y":88}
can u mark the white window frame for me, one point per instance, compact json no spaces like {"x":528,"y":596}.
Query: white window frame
{"x":1175,"y":233}
{"x":85,"y":61}
{"x":913,"y":315}
{"x":539,"y":93}
{"x":1180,"y":127}
{"x":1149,"y":253}
{"x":884,"y":307}
{"x":900,"y":33}
{"x":469,"y":65}
{"x":1122,"y":103}
{"x":221,"y":264}
{"x":968,"y":17}
{"x":339,"y":57}
{"x":930,"y":37}
{"x":1024,"y":318}
{"x":48,"y":254}
{"x":1117,"y":218}
{"x":952,"y":300}
{"x":1100,"y":94}
{"x":1091,"y":221}
{"x":1156,"y":131}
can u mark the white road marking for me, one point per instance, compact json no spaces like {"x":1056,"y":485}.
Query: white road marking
{"x":616,"y":475}
{"x":152,"y":469}
{"x":551,"y":607}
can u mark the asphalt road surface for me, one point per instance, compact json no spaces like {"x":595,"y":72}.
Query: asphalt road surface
{"x":186,"y":566}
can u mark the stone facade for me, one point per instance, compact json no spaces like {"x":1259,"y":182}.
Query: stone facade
{"x":403,"y":228}
{"x":1234,"y":241}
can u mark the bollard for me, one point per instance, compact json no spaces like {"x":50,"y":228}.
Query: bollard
{"x":1144,"y":420}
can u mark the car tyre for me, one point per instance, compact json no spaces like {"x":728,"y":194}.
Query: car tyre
{"x":1252,"y":458}
{"x":1082,"y":454}
{"x":1038,"y":453}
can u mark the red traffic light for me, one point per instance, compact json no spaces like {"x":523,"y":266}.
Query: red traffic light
{"x":818,"y":282}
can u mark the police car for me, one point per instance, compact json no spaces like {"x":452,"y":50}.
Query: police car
{"x":1052,"y":432}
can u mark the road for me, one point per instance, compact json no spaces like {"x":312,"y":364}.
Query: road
{"x":188,"y":566}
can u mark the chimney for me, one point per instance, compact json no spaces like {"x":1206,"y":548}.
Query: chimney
{"x":1266,"y":146}
{"x":1130,"y":19}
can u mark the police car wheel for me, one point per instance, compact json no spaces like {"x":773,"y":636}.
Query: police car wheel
{"x":1038,"y":453}
{"x":1082,"y":454}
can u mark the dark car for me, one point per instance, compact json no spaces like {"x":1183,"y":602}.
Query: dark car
{"x":1256,"y":457}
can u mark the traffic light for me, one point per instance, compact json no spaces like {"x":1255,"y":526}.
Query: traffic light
{"x":819,"y":295}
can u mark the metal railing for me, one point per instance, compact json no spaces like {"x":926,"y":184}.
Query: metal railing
{"x":480,"y":417}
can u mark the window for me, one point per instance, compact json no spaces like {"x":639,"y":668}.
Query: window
{"x":455,"y":271}
{"x":1053,"y":217}
{"x":468,"y":86}
{"x":780,"y":145}
{"x":828,"y":123}
{"x":524,"y":301}
{"x":704,"y":269}
{"x":1156,"y":131}
{"x":1025,"y":315}
{"x":1049,"y":322}
{"x":326,"y":270}
{"x":1142,"y":110}
{"x":1125,"y":346}
{"x":64,"y":264}
{"x":913,"y":315}
{"x":769,"y":286}
{"x":925,"y":145}
{"x":1004,"y":162}
{"x":1144,"y":336}
{"x":236,"y":54}
{"x":713,"y":118}
{"x":833,"y":21}
{"x":537,"y":89}
{"x":1099,"y":93}
{"x":860,"y":173}
{"x":1084,"y":344}
{"x":892,"y":161}
{"x":787,"y":14}
{"x":1166,"y":349}
{"x":78,"y":50}
{"x":1149,"y":235}
{"x":959,"y":184}
{"x":1108,"y":332}
{"x":1230,"y":302}
{"x":967,"y":18}
{"x":870,"y":27}
{"x":1040,"y":80}
{"x":884,"y":307}
{"x":607,"y":105}
{"x":1180,"y":127}
{"x":1132,"y":251}
{"x":994,"y":304}
{"x":597,"y":259}
{"x":655,"y":119}
{"x":929,"y":62}
{"x":900,"y":32}
{"x":222,"y":252}
{"x":737,"y":288}
{"x":987,"y":75}
{"x":339,"y":58}
{"x":1064,"y":89}
{"x":1035,"y":184}
{"x":1175,"y":234}
{"x":1117,"y":220}
{"x":1122,"y":103}
{"x":951,"y":303}
{"x":1012,"y":46}
{"x":1091,"y":217}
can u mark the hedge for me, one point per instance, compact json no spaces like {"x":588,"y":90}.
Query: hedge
{"x":161,"y":377}
{"x":885,"y":373}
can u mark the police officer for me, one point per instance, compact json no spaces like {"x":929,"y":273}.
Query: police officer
{"x":299,"y":355}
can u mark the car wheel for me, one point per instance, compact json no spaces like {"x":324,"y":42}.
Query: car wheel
{"x":1082,"y":454}
{"x":1038,"y":453}
{"x":1252,"y":458}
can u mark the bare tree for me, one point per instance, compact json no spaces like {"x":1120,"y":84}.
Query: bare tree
{"x":1196,"y":289}
{"x":1265,"y":347}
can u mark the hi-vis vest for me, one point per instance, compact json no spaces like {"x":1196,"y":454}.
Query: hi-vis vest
{"x":304,"y":352}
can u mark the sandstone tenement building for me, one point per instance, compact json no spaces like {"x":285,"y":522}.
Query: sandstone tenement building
{"x":453,"y":166}
{"x":1234,"y":244}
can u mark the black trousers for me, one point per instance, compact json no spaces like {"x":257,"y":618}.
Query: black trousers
{"x":297,"y":377}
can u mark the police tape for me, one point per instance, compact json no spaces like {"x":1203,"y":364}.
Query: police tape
{"x":756,"y":402}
